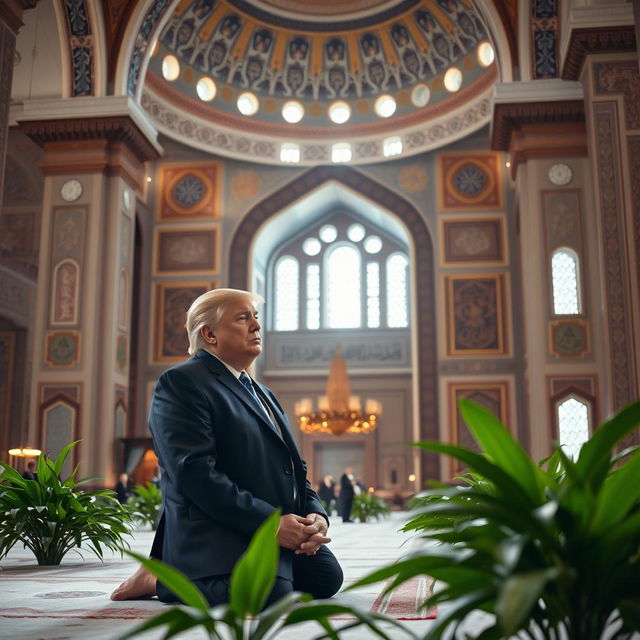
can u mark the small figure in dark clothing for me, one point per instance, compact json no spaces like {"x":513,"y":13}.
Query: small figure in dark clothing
{"x":30,"y":473}
{"x":122,"y":488}
{"x":327,"y":493}
{"x":347,"y":492}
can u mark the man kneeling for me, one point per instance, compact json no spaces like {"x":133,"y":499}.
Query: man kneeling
{"x":228,"y":460}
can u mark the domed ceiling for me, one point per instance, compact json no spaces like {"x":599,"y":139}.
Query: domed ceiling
{"x":267,"y":80}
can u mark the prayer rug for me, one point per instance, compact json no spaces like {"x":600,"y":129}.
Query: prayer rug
{"x":404,"y":602}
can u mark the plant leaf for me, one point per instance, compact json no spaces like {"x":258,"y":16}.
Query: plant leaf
{"x":517,"y":597}
{"x":496,"y":440}
{"x":619,"y":493}
{"x":254,"y":575}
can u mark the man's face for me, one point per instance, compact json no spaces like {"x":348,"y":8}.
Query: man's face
{"x":237,"y":335}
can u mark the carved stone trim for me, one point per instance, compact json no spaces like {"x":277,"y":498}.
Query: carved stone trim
{"x":120,"y":130}
{"x":11,"y":13}
{"x":590,"y":40}
{"x":511,"y":117}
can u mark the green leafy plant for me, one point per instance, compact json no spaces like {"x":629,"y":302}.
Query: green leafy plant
{"x":243,"y":617}
{"x":553,"y":550}
{"x":51,"y":516}
{"x":368,"y":505}
{"x":144,"y":505}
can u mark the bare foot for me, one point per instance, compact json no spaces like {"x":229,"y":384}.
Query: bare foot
{"x":142,"y":583}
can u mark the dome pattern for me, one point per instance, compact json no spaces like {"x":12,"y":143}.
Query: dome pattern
{"x":312,"y":55}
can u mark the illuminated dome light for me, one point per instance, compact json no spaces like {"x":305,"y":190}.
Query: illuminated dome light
{"x":385,"y":106}
{"x":311,"y":246}
{"x":328,"y":233}
{"x":206,"y":89}
{"x":341,"y":152}
{"x":373,"y":244}
{"x":247,"y":103}
{"x":170,"y":68}
{"x":486,"y":54}
{"x":292,"y":111}
{"x":355,"y":232}
{"x":339,"y":112}
{"x":289,"y":152}
{"x":453,"y":79}
{"x":420,"y":95}
{"x":392,"y":146}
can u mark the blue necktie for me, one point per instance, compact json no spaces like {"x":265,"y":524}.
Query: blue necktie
{"x":248,"y":385}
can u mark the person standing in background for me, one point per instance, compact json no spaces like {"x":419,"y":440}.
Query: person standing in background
{"x":347,"y":492}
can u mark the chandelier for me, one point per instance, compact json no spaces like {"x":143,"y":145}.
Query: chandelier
{"x":338,"y":411}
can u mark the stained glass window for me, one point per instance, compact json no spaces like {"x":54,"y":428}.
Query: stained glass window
{"x":343,"y":288}
{"x":573,"y":425}
{"x":287,"y":292}
{"x":564,"y":271}
{"x":397,"y":290}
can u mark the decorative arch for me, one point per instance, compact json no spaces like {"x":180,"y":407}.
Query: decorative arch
{"x":424,"y":312}
{"x":59,"y":417}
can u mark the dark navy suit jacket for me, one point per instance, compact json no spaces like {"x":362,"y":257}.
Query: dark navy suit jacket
{"x":224,"y":467}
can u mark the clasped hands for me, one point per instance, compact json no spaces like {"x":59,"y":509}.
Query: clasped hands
{"x":303,"y":535}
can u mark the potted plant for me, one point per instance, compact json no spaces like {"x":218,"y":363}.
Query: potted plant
{"x":243,"y":617}
{"x":144,"y":505}
{"x":552,"y":550}
{"x":367,"y":505}
{"x":51,"y":516}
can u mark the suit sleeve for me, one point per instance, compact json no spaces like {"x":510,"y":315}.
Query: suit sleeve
{"x":181,"y":424}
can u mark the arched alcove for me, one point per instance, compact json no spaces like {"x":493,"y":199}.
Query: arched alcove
{"x":425,"y":363}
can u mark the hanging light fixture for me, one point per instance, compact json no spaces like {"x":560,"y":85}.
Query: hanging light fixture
{"x":338,"y":411}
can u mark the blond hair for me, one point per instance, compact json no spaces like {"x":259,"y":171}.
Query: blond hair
{"x":208,"y":308}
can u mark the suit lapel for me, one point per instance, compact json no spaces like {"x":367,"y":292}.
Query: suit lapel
{"x":235,"y":386}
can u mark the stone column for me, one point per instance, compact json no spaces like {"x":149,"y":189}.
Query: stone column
{"x":602,"y":53}
{"x":10,"y":22}
{"x":94,"y":169}
{"x":547,"y":146}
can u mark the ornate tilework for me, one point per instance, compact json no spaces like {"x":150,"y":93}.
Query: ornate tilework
{"x":470,"y":181}
{"x":475,"y":315}
{"x":62,"y":348}
{"x":77,"y":17}
{"x":189,"y":191}
{"x":544,"y":39}
{"x":172,"y":301}
{"x":151,"y":19}
{"x":609,"y":171}
{"x":621,"y":78}
{"x":569,"y":338}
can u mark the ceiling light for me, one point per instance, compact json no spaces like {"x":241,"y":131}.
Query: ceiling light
{"x":486,"y":54}
{"x":385,"y":106}
{"x":341,"y":152}
{"x":247,"y":103}
{"x":206,"y":89}
{"x":453,"y":79}
{"x":339,"y":112}
{"x":392,"y":146}
{"x":420,"y":95}
{"x":292,"y":111}
{"x":170,"y":68}
{"x":289,"y":152}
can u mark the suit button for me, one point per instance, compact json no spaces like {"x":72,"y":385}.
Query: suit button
{"x":288,"y":472}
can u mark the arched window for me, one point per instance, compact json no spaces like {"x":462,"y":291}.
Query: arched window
{"x":573,"y":425}
{"x":341,"y":273}
{"x":566,"y":283}
{"x":397,"y":290}
{"x":287,"y":286}
{"x":343,"y":287}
